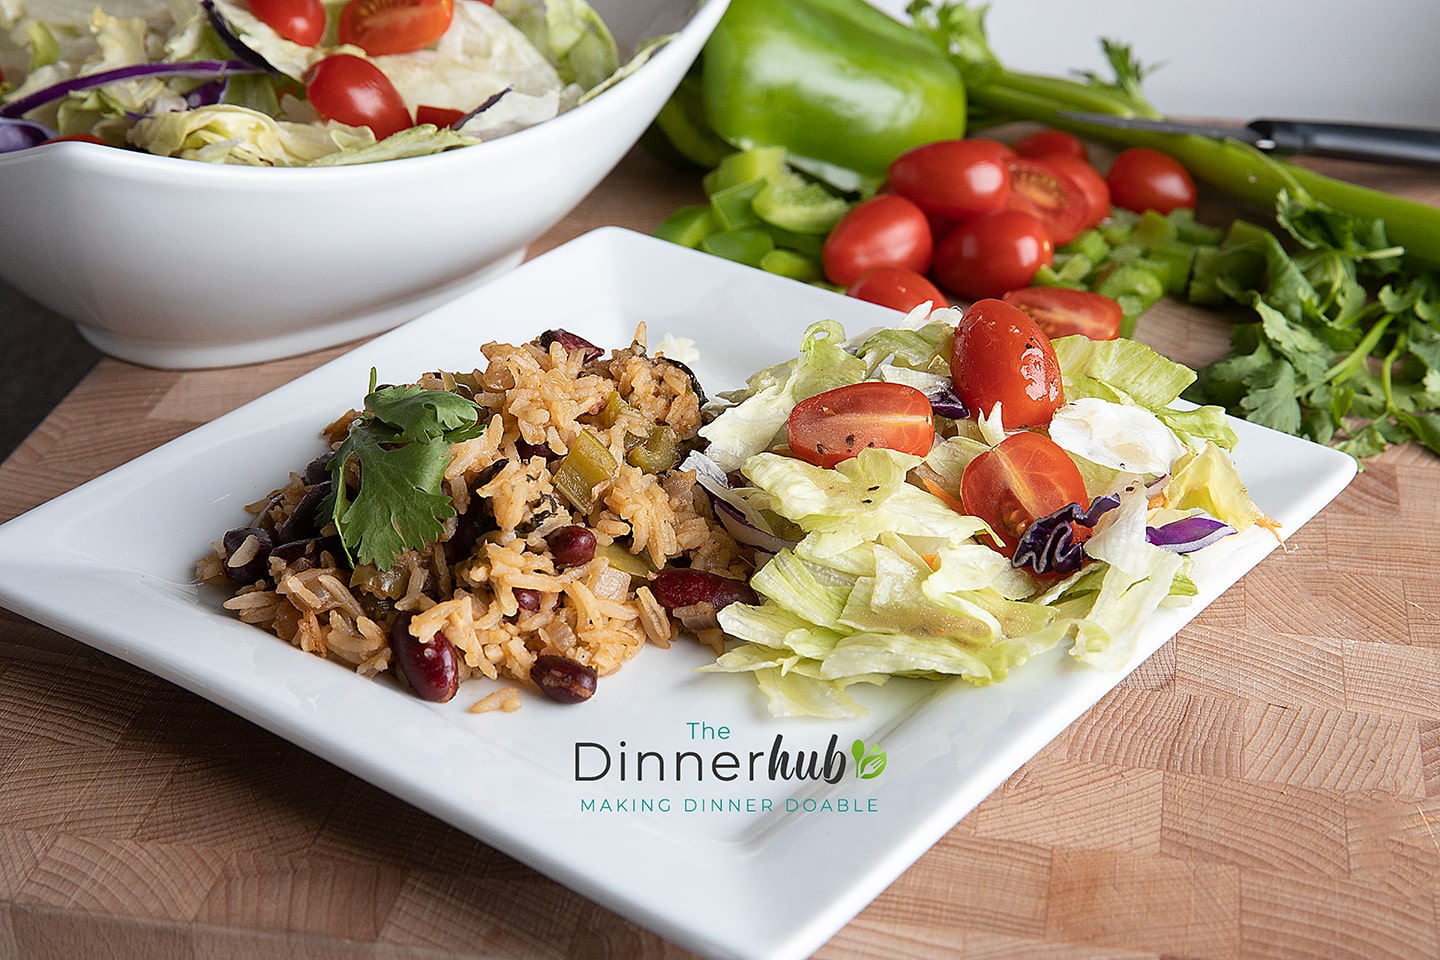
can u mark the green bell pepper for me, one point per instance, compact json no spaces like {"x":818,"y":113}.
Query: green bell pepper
{"x":841,"y":86}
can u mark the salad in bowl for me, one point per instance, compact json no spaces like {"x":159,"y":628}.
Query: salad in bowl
{"x":233,"y":214}
{"x":298,"y":82}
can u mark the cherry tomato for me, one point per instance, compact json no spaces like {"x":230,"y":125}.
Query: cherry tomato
{"x":1052,"y":143}
{"x":992,"y":253}
{"x":1040,"y":189}
{"x":394,"y":26}
{"x":352,"y":90}
{"x":836,"y":425}
{"x":1061,"y":312}
{"x":1092,"y":187}
{"x":300,"y":21}
{"x":1001,"y":356}
{"x":1142,"y":179}
{"x":438,"y":116}
{"x":1025,"y":477}
{"x":77,"y":138}
{"x":952,"y":178}
{"x":885,"y":230}
{"x":898,"y":287}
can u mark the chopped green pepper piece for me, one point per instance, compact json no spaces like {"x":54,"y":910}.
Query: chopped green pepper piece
{"x":733,"y":205}
{"x":745,"y":166}
{"x":656,"y":453}
{"x":789,"y":201}
{"x":796,"y":266}
{"x":688,"y":225}
{"x":747,"y":246}
{"x":587,"y":465}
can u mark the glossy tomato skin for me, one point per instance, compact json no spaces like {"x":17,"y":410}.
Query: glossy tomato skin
{"x":382,"y":27}
{"x":352,"y":90}
{"x":300,"y":21}
{"x":954,"y":179}
{"x":992,"y":253}
{"x":1039,"y":188}
{"x":1052,"y":143}
{"x":1143,"y":179}
{"x":437,"y":116}
{"x":1025,"y":477}
{"x":1061,"y":312}
{"x":885,"y":230}
{"x":1000,"y":355}
{"x":834,"y":426}
{"x":1091,"y":184}
{"x":899,"y":288}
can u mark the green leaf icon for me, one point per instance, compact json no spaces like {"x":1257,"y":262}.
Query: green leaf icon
{"x":869,"y":765}
{"x":872,"y":766}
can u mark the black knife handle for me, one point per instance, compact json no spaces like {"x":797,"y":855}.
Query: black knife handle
{"x":1352,"y":141}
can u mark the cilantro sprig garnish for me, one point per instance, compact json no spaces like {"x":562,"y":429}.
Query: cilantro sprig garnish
{"x":401,"y":444}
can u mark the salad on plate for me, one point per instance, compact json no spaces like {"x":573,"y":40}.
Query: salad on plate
{"x":296,"y":82}
{"x":946,"y":498}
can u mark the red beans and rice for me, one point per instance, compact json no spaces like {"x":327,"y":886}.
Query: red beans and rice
{"x":506,"y":584}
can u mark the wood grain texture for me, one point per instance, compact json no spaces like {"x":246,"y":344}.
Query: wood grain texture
{"x":1265,"y":787}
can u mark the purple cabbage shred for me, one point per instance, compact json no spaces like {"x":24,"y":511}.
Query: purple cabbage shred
{"x":1048,"y":545}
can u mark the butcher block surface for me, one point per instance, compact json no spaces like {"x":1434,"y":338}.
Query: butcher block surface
{"x":1267,"y":785}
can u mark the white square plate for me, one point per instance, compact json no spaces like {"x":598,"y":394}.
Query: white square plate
{"x":112,"y":564}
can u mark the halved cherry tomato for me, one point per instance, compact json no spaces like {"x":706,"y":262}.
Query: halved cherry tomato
{"x":836,"y":425}
{"x":1061,"y":312}
{"x":349,"y":89}
{"x":885,"y":230}
{"x":1043,"y":191}
{"x":1025,"y":477}
{"x":76,"y":138}
{"x":1001,"y":356}
{"x":394,"y":26}
{"x":989,"y":254}
{"x":1142,"y":179}
{"x":438,"y":116}
{"x":952,"y":178}
{"x":897,"y":287}
{"x":300,"y":21}
{"x":1092,"y":187}
{"x":1052,"y":143}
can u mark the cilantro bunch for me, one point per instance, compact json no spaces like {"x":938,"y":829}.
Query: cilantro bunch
{"x":401,"y":445}
{"x":1345,"y":345}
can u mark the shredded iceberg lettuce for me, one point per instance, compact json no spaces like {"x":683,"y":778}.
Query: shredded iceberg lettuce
{"x":889,"y":577}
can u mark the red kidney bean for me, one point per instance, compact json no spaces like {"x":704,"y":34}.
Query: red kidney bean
{"x":318,"y":470}
{"x":305,"y":520}
{"x":571,"y":342}
{"x":562,"y":679}
{"x":258,"y":565}
{"x":677,"y":587}
{"x":432,"y":668}
{"x":572,"y":545}
{"x":527,"y":599}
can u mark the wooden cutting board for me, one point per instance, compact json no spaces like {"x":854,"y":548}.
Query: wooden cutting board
{"x":1266,"y":786}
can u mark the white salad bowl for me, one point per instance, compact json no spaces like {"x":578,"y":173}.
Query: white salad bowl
{"x":183,"y":264}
